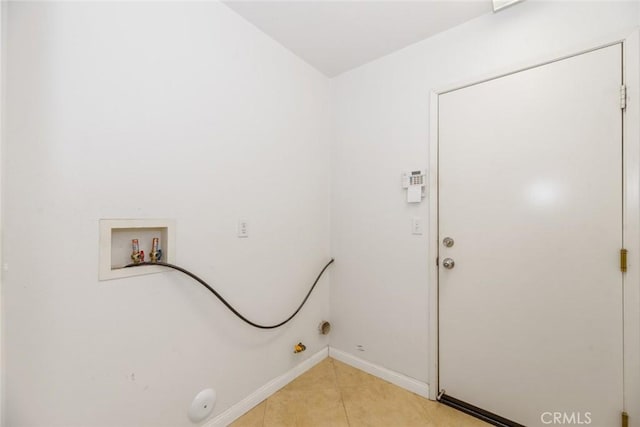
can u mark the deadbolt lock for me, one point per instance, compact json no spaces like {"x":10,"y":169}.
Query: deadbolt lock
{"x":447,"y":242}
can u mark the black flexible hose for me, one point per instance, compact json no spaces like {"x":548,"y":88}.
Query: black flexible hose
{"x":224,"y":301}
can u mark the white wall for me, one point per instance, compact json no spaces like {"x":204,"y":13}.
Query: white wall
{"x":381,"y":112}
{"x":186,"y":111}
{"x":155,"y":110}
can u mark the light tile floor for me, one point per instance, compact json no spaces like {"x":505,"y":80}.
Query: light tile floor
{"x":333,"y":394}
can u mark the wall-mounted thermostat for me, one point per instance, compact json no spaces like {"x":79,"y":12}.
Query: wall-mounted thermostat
{"x":414,"y":182}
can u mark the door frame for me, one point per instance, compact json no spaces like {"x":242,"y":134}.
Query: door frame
{"x":630,"y":209}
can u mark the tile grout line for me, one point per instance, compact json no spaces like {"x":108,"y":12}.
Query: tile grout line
{"x":264,"y":416}
{"x":344,"y":407}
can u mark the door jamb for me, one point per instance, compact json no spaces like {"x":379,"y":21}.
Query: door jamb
{"x":434,"y":383}
{"x":631,"y":216}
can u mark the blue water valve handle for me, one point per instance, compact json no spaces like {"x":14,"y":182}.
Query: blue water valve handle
{"x":155,"y":256}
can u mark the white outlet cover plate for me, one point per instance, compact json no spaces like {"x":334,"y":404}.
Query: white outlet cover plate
{"x":202,"y":405}
{"x":243,"y":228}
{"x":417,"y":226}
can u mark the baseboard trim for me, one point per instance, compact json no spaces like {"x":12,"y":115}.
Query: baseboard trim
{"x":401,"y":380}
{"x":248,"y":403}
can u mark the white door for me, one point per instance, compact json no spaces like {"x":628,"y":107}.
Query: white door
{"x":530,"y":191}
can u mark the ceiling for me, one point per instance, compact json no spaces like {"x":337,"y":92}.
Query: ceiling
{"x":336,"y":36}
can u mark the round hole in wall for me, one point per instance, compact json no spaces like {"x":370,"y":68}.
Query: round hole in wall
{"x":324,"y":328}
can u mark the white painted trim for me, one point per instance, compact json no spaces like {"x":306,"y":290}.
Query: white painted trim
{"x":401,"y":380}
{"x":631,"y":231}
{"x":433,"y":248}
{"x":618,"y":37}
{"x":535,"y":65}
{"x":3,"y":74}
{"x":255,"y":398}
{"x":631,"y":211}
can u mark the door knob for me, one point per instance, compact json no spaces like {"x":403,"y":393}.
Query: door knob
{"x":448,"y":263}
